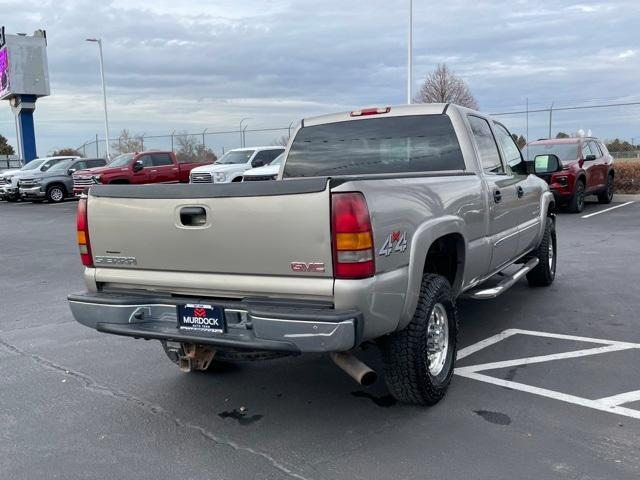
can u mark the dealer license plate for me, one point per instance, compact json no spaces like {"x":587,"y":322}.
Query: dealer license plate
{"x":201,"y":318}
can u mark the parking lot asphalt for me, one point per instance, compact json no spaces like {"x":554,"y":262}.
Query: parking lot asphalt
{"x":75,"y":403}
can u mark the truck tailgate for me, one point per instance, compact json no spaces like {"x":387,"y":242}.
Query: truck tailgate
{"x":256,"y":228}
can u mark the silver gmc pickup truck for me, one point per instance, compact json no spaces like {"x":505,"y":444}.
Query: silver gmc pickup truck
{"x":379,"y":220}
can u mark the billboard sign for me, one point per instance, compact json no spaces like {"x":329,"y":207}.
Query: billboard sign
{"x":4,"y":73}
{"x":23,"y":65}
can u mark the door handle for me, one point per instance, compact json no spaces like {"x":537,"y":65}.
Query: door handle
{"x":497,"y":196}
{"x":193,"y":216}
{"x":520,"y":191}
{"x":154,"y":171}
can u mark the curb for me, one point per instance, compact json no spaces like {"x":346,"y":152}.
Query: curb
{"x":624,"y":197}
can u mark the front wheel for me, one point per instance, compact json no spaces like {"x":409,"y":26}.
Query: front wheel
{"x":56,"y":193}
{"x":419,"y":359}
{"x":606,"y":196}
{"x":545,"y":272}
{"x":576,"y":205}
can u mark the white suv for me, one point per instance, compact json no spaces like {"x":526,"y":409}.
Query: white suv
{"x":232,"y":165}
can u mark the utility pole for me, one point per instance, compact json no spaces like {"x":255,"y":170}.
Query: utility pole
{"x":550,"y":119}
{"x":410,"y":55}
{"x":104,"y":95}
{"x":526,"y":148}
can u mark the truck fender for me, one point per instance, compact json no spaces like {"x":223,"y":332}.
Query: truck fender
{"x":422,"y":239}
{"x":546,"y":201}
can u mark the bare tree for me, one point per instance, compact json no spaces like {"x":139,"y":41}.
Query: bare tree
{"x":443,"y":86}
{"x":282,"y":141}
{"x":520,"y":140}
{"x":128,"y":143}
{"x":63,"y":152}
{"x":190,"y":149}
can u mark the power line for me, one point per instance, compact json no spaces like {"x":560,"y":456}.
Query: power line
{"x":583,"y":107}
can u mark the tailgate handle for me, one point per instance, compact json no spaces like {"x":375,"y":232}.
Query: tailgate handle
{"x":193,"y":216}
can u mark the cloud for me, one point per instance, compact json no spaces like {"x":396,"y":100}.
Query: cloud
{"x":199,"y":64}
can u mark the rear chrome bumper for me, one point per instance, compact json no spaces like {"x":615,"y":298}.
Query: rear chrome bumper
{"x":254,"y":324}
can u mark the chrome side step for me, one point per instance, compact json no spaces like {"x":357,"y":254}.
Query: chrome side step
{"x":493,"y":292}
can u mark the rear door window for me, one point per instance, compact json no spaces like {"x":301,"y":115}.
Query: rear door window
{"x":423,"y":143}
{"x":161,"y":159}
{"x":487,"y":148}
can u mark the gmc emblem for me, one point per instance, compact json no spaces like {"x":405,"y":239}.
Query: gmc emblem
{"x":307,"y":267}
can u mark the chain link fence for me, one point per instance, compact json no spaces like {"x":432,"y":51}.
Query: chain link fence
{"x":201,"y":146}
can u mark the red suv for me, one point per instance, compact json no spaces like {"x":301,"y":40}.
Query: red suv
{"x":587,"y":169}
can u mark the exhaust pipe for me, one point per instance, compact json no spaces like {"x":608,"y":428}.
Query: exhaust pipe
{"x":353,"y":367}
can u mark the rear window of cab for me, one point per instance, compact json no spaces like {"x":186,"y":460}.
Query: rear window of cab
{"x":416,"y":143}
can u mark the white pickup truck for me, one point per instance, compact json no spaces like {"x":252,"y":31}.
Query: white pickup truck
{"x":382,"y":218}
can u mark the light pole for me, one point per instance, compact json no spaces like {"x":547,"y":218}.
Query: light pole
{"x":410,"y":55}
{"x":242,"y":132}
{"x":104,"y":94}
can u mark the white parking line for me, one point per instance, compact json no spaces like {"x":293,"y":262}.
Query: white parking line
{"x":607,"y":404}
{"x":621,"y":398}
{"x":607,"y":209}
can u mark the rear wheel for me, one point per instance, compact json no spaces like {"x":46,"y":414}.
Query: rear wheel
{"x":576,"y":205}
{"x":545,"y":272}
{"x":606,"y":196}
{"x":56,"y":193}
{"x":419,"y":359}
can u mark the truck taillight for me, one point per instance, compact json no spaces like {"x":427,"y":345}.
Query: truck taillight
{"x":83,"y":233}
{"x":352,"y":236}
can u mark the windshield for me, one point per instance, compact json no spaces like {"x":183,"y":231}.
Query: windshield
{"x":382,"y":145}
{"x":278,"y":160}
{"x":33,"y":164}
{"x":235,"y":156}
{"x":50,"y":163}
{"x":63,"y":165}
{"x":566,"y":152}
{"x":122,"y":160}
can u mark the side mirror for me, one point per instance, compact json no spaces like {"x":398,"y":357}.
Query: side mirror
{"x":546,"y":164}
{"x":257,"y":163}
{"x":71,"y":171}
{"x":138,"y":165}
{"x":589,"y":158}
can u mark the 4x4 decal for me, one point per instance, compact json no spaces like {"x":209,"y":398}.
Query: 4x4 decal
{"x":395,"y":242}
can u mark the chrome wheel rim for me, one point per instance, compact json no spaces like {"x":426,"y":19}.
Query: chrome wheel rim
{"x":56,"y":194}
{"x":437,"y":339}
{"x":550,"y":255}
{"x":610,"y":187}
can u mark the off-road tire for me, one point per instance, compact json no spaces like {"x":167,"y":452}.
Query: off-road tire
{"x":576,"y":204}
{"x":606,"y":196}
{"x":56,"y":193}
{"x":545,"y":272}
{"x":405,"y":352}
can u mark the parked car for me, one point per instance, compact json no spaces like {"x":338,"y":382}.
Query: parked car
{"x":366,"y":240}
{"x":587,"y":169}
{"x":136,"y":168}
{"x":56,"y":183}
{"x":268,"y":172}
{"x":9,"y":189}
{"x":232,"y":165}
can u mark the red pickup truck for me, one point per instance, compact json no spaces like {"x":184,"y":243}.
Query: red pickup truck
{"x":136,"y":168}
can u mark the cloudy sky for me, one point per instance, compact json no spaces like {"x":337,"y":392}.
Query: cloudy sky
{"x":194,"y":64}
